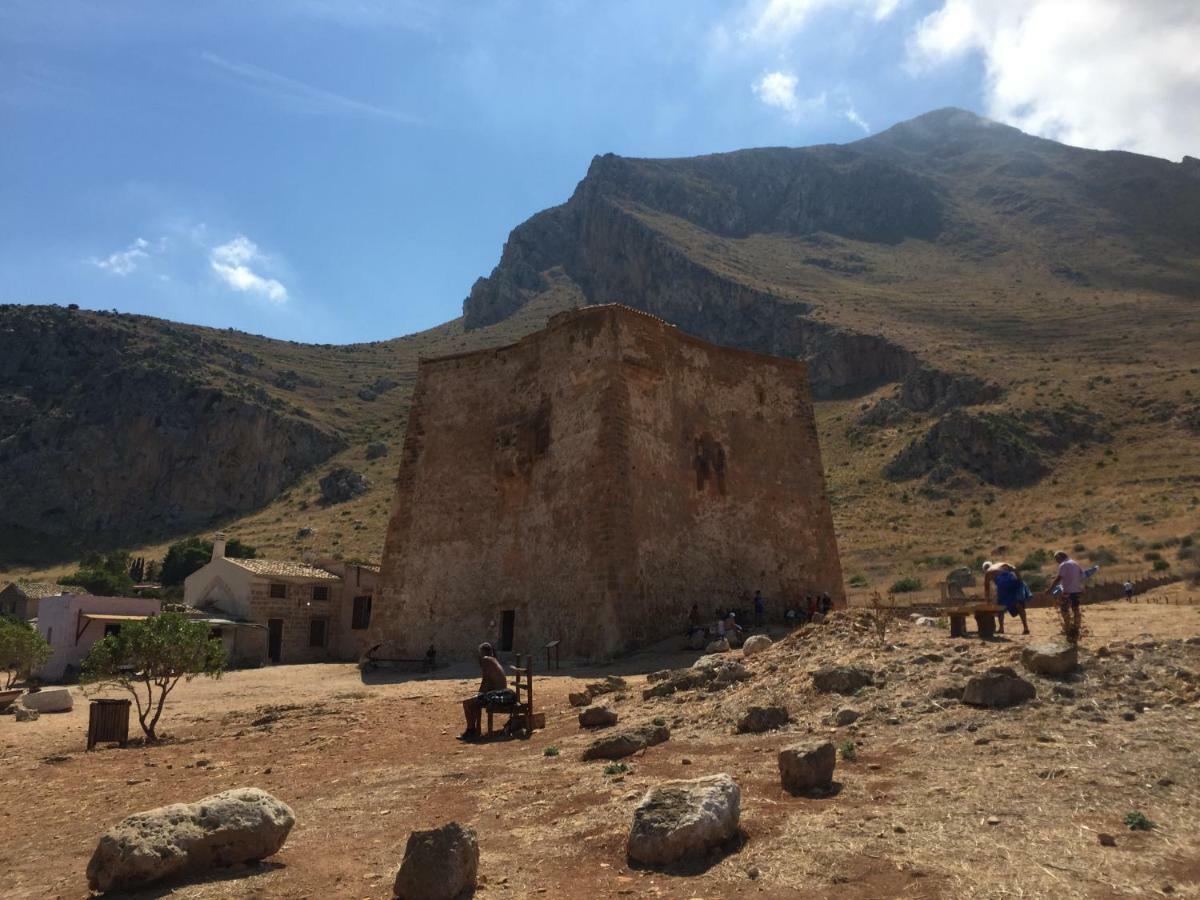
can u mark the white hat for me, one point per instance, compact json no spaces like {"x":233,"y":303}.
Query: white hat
{"x":987,"y":565}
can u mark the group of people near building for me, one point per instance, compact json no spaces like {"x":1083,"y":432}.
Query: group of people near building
{"x":728,"y":628}
{"x":1013,"y":594}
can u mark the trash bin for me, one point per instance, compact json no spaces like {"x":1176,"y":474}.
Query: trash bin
{"x":108,"y":720}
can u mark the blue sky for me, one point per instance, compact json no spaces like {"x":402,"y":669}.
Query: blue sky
{"x":343,"y":170}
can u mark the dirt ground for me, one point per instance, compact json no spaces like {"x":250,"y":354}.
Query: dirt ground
{"x":941,"y":800}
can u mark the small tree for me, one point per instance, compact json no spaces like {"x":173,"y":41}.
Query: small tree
{"x":22,"y":649}
{"x":148,"y":658}
{"x":186,"y":556}
{"x":881,"y":615}
{"x":102,"y":575}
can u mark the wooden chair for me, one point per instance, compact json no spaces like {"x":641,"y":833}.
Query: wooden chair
{"x":520,"y":712}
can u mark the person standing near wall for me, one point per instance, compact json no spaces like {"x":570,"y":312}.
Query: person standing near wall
{"x":760,"y":610}
{"x":1070,"y":576}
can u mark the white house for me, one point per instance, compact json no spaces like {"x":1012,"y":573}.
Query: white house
{"x":71,"y":623}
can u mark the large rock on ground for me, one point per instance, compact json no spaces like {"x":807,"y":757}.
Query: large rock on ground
{"x":758,"y":719}
{"x":841,"y":679}
{"x":341,"y":483}
{"x":755,"y":644}
{"x":627,"y":742}
{"x":1053,"y":659}
{"x":998,"y":687}
{"x":720,"y":646}
{"x":439,"y":864}
{"x":26,"y":715}
{"x":597,"y":717}
{"x":237,"y":826}
{"x":49,"y":700}
{"x":807,"y":767}
{"x":680,"y":820}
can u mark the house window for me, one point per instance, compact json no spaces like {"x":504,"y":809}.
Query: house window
{"x":317,"y":629}
{"x":278,"y":591}
{"x":215,"y":633}
{"x":320,"y":592}
{"x":361,"y":618}
{"x":112,"y":629}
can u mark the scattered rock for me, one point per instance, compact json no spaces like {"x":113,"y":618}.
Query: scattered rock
{"x":680,"y":820}
{"x":237,"y":826}
{"x":439,"y":864}
{"x":993,"y":820}
{"x":1053,"y":659}
{"x":948,"y":689}
{"x":579,"y":698}
{"x":841,"y":679}
{"x":999,"y":687}
{"x":626,"y":743}
{"x":341,"y":484}
{"x":758,"y":719}
{"x":755,"y":644}
{"x":597,"y":717}
{"x":807,"y":767}
{"x":377,"y":449}
{"x":720,"y":646}
{"x":49,"y":700}
{"x":25,"y":715}
{"x":846,"y":716}
{"x":1107,"y":840}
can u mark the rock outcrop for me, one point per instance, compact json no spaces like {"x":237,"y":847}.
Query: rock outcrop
{"x":1053,"y":659}
{"x":841,"y":679}
{"x":597,"y":717}
{"x":998,"y":687}
{"x":807,"y":767}
{"x":758,"y":719}
{"x":236,"y":826}
{"x":756,"y":643}
{"x":341,"y":484}
{"x":439,"y":864}
{"x":627,"y":742}
{"x":680,"y":820}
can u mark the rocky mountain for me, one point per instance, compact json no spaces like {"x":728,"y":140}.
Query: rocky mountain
{"x":978,"y":308}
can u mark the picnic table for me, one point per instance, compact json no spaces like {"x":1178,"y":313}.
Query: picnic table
{"x":985,"y":614}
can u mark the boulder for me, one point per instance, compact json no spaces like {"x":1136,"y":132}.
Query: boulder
{"x":846,"y":716}
{"x":1053,"y":659}
{"x":720,"y":646}
{"x":807,"y":767}
{"x":755,"y":644}
{"x":25,"y":715}
{"x":1000,"y":686}
{"x":627,"y":742}
{"x":237,"y":826}
{"x":439,"y":864}
{"x":697,"y":639}
{"x":377,"y":449}
{"x":679,"y":820}
{"x":758,"y":719}
{"x":817,"y":619}
{"x":579,"y":698}
{"x":340,"y":484}
{"x":947,"y":689}
{"x":841,"y":679}
{"x":597,"y":717}
{"x":49,"y":700}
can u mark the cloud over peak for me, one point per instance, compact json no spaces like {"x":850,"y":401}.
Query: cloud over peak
{"x":231,"y":264}
{"x":125,"y":262}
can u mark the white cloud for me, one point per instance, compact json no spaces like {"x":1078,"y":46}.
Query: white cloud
{"x":231,"y":263}
{"x":777,"y":89}
{"x":125,"y":262}
{"x":301,"y":97}
{"x":850,"y":114}
{"x":1110,"y":74}
{"x":776,"y":21}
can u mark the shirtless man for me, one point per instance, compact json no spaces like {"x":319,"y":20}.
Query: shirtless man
{"x":493,"y":680}
{"x":1009,"y":591}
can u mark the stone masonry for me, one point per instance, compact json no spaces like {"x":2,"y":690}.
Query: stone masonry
{"x":591,"y":482}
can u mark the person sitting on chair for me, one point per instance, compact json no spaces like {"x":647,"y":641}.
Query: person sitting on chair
{"x":493,"y":680}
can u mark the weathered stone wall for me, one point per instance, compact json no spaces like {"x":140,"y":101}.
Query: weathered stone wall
{"x":297,"y":611}
{"x":558,"y":479}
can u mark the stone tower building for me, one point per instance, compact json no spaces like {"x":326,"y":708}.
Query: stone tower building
{"x":592,"y":481}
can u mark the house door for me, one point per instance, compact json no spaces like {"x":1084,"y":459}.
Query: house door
{"x":508,"y":620}
{"x":275,"y":639}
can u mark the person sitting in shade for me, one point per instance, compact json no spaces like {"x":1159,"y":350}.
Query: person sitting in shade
{"x":1010,"y":591}
{"x":729,"y":630}
{"x":492,"y":682}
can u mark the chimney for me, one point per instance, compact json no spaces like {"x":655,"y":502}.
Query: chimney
{"x":219,"y":545}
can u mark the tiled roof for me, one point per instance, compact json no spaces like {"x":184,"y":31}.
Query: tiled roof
{"x":36,"y":590}
{"x":278,"y":568}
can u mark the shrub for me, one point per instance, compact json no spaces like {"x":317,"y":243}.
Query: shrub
{"x":848,"y":750}
{"x":186,"y":556}
{"x":105,"y":575}
{"x":550,"y":751}
{"x":659,"y":721}
{"x":905,"y":585}
{"x":858,"y":580}
{"x":1151,"y":556}
{"x":1037,"y":581}
{"x":616,"y":768}
{"x":1034,"y":560}
{"x":148,"y":659}
{"x":1102,"y":556}
{"x":975,"y":520}
{"x":1137,"y":821}
{"x":22,"y":649}
{"x":1161,"y":565}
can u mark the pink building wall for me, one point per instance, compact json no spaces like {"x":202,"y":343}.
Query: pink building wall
{"x":70,"y":636}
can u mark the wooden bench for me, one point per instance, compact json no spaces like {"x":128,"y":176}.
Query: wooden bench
{"x":427,"y":663}
{"x":985,"y":618}
{"x":521,"y":717}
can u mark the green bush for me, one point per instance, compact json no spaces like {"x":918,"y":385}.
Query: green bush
{"x":186,"y":556}
{"x":148,"y":659}
{"x":659,"y":721}
{"x":1102,"y":556}
{"x":616,"y":768}
{"x":22,"y":649}
{"x":1151,"y":556}
{"x":1161,"y":565}
{"x":905,"y":585}
{"x":848,"y":750}
{"x":550,"y":751}
{"x":1034,"y":560}
{"x":858,"y":580}
{"x":105,"y":575}
{"x":1137,"y":821}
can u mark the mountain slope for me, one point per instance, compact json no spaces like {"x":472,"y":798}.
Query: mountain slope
{"x":987,"y":316}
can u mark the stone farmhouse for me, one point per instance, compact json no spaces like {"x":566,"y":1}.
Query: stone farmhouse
{"x":591,"y":482}
{"x":21,"y":598}
{"x":309,"y":612}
